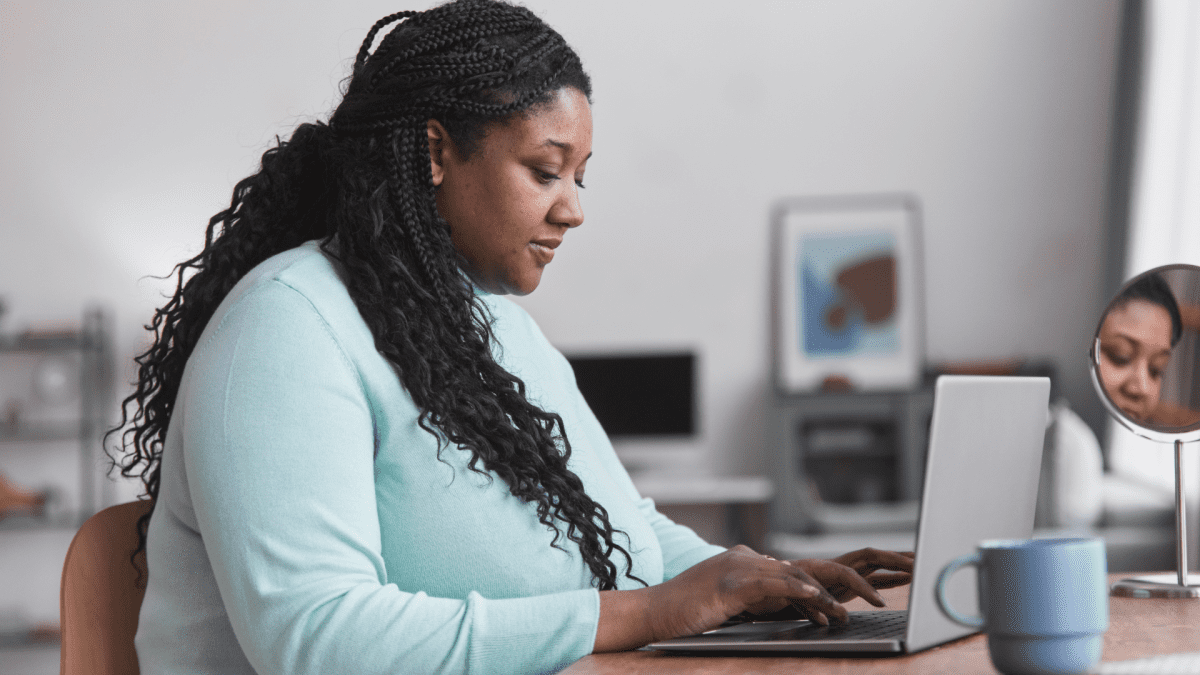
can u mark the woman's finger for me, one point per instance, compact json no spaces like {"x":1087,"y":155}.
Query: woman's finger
{"x":894,"y":560}
{"x":889,"y":579}
{"x":811,"y":614}
{"x":865,"y":571}
{"x":808,"y":597}
{"x":890,"y":560}
{"x":870,"y":554}
{"x":833,"y":574}
{"x":782,"y":581}
{"x":821,"y":607}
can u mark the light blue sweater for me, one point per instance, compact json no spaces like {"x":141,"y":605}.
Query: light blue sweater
{"x":305,"y":524}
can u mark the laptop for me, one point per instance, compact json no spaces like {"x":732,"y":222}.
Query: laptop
{"x":981,"y":480}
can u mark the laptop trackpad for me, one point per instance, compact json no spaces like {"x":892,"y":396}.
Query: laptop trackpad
{"x":759,"y":630}
{"x":882,"y":625}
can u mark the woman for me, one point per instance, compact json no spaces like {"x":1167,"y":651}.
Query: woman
{"x":363,"y":458}
{"x":1140,"y":328}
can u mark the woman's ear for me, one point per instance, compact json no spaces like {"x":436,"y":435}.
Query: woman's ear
{"x":439,"y":146}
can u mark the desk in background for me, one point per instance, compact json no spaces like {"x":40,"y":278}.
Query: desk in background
{"x":724,"y":510}
{"x":1139,"y":628}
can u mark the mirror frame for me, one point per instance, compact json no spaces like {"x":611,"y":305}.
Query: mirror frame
{"x":1160,"y":434}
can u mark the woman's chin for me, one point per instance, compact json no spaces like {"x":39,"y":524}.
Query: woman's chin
{"x":522,"y":285}
{"x":1137,"y":414}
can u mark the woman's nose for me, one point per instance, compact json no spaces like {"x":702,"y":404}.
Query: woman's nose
{"x":566,"y":209}
{"x":1137,"y":385}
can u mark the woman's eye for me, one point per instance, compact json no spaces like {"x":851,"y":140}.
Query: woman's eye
{"x":1158,"y":369}
{"x":579,"y":182}
{"x":1117,"y":359}
{"x":545,"y":177}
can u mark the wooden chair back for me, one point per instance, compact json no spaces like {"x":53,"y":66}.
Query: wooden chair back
{"x":102,"y":594}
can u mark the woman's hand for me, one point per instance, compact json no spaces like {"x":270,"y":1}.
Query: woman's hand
{"x":882,"y":569}
{"x":742,"y":581}
{"x":704,"y":596}
{"x":855,"y":574}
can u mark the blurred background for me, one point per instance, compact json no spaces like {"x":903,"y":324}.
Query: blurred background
{"x":1014,"y":123}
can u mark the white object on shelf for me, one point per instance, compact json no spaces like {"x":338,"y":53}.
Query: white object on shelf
{"x":704,"y":489}
{"x":798,"y":546}
{"x":1072,"y":471}
{"x":1132,"y":501}
{"x":871,"y":518}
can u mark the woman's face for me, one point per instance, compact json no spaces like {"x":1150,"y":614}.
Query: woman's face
{"x":1135,"y":346}
{"x":510,"y":203}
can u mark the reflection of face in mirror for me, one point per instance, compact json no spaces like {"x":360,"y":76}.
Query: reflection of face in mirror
{"x":1139,"y":330}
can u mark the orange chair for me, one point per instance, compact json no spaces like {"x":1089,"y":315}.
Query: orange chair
{"x":101,"y":594}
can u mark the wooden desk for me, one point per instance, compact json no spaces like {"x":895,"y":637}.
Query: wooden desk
{"x":1138,"y":628}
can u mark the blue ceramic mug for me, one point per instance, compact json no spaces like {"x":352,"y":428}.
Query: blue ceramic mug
{"x":1044,"y":603}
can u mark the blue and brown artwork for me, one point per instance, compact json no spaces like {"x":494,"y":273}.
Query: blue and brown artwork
{"x":848,"y":294}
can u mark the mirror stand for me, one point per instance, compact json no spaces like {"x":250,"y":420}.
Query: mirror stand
{"x":1180,"y":584}
{"x":1145,"y":365}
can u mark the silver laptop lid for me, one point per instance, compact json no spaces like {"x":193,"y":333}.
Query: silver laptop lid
{"x":981,"y":480}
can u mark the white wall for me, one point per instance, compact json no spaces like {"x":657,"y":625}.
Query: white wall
{"x":123,"y":126}
{"x":1165,"y":219}
{"x":995,"y":114}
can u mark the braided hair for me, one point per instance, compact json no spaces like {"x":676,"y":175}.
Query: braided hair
{"x":363,"y":186}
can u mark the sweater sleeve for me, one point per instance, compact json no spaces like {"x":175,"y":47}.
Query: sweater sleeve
{"x":278,"y":450}
{"x":681,"y":546}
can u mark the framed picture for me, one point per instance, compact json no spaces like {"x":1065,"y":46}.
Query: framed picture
{"x":848,"y":294}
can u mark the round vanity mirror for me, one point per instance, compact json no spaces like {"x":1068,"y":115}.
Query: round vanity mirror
{"x":1145,"y":364}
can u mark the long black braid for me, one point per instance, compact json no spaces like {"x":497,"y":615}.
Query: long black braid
{"x":362,"y":185}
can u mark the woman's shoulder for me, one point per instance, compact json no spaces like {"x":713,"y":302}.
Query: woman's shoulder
{"x":306,"y":270}
{"x":303,"y":281}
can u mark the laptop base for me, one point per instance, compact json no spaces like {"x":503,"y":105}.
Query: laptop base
{"x":886,"y":635}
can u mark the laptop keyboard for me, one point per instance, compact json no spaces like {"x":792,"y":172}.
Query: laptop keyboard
{"x":884,"y":625}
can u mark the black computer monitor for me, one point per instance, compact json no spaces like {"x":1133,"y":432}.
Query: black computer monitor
{"x":647,"y":395}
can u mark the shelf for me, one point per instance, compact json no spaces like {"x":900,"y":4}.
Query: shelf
{"x":78,"y":420}
{"x":34,"y":636}
{"x":665,"y":490}
{"x":64,"y":342}
{"x":69,"y":520}
{"x":856,"y":454}
{"x":797,"y":546}
{"x":42,"y":433}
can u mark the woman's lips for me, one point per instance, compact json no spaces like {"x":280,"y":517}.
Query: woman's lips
{"x":543,"y":251}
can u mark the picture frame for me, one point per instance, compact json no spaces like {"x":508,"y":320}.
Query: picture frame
{"x":848,"y":294}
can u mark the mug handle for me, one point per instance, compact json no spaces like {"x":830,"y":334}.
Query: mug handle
{"x":947,"y":571}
